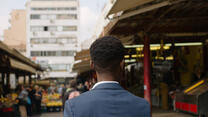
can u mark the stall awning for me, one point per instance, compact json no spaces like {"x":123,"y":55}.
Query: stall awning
{"x":83,"y":55}
{"x":38,"y":82}
{"x":121,"y":5}
{"x":82,"y":66}
{"x":19,"y":65}
{"x":17,"y":56}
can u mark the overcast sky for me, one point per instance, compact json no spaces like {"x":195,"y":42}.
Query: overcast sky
{"x":90,"y":10}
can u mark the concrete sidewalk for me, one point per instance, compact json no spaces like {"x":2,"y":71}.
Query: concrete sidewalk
{"x":156,"y":113}
{"x":164,"y":113}
{"x":171,"y":114}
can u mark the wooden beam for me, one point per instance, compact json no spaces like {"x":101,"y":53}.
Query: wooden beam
{"x":167,"y":26}
{"x":149,"y":8}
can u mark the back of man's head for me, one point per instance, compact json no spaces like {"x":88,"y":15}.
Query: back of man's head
{"x":73,"y":83}
{"x":106,"y":54}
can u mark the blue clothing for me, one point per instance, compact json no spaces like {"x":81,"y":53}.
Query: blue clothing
{"x":107,"y":100}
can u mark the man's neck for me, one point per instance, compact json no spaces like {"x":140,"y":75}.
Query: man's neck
{"x":106,"y":77}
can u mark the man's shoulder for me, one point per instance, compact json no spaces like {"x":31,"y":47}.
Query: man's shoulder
{"x":137,"y":99}
{"x":94,"y":95}
{"x":92,"y":100}
{"x":82,"y":96}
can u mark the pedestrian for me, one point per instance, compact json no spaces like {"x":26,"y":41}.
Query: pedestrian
{"x":60,"y":89}
{"x":38,"y":98}
{"x":71,"y":92}
{"x":31,"y":94}
{"x":81,"y":88}
{"x":23,"y":97}
{"x":107,"y":98}
{"x":29,"y":101}
{"x":52,"y":89}
{"x":86,"y":84}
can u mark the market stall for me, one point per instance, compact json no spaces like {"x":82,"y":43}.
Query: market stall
{"x":51,"y":102}
{"x":194,"y":99}
{"x":13,"y":66}
{"x":166,"y":23}
{"x":9,"y":106}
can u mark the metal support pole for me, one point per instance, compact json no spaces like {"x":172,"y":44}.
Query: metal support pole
{"x":30,"y":79}
{"x":3,"y":79}
{"x":17,"y":79}
{"x":8,"y":79}
{"x":205,"y":56}
{"x":24,"y":82}
{"x":147,"y":88}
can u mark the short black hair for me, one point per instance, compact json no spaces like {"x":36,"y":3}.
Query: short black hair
{"x":107,"y":53}
{"x":73,"y":83}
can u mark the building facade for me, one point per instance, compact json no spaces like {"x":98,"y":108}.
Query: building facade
{"x":52,"y":35}
{"x":15,"y":35}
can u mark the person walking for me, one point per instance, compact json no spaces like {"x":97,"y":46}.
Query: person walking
{"x":71,"y":92}
{"x":29,"y":102}
{"x":38,"y":98}
{"x":107,"y":98}
{"x":23,"y":96}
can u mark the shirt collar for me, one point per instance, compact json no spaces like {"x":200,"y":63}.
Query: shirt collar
{"x":104,"y":82}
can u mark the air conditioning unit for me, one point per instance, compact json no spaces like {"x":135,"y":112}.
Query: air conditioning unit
{"x":61,"y":43}
{"x":52,"y":33}
{"x":35,"y":33}
{"x":52,"y":21}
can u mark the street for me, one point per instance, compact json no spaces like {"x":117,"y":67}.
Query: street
{"x":51,"y":114}
{"x":160,"y":114}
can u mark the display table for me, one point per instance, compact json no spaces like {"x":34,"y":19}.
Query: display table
{"x":51,"y":103}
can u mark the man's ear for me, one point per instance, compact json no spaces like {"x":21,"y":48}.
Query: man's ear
{"x":92,"y":66}
{"x":122,"y":64}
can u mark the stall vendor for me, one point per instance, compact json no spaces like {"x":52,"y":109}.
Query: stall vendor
{"x":198,"y":75}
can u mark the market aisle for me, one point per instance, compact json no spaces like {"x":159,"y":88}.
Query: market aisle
{"x":173,"y":114}
{"x":164,"y":113}
{"x":51,"y":114}
{"x":170,"y":114}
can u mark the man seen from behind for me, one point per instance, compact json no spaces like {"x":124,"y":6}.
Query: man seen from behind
{"x":107,"y":98}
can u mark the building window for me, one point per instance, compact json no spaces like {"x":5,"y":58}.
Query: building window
{"x":45,"y":28}
{"x":52,"y":40}
{"x":55,"y":9}
{"x":53,"y":16}
{"x":64,"y":40}
{"x":60,"y":67}
{"x":52,"y":28}
{"x":72,"y":16}
{"x":69,"y":28}
{"x":52,"y":53}
{"x":66,"y":16}
{"x":36,"y":28}
{"x":34,"y":16}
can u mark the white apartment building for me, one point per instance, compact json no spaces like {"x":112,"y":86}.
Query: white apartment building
{"x":52,"y":35}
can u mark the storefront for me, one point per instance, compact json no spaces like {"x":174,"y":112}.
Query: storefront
{"x":166,"y":43}
{"x":179,"y":37}
{"x":13,"y":67}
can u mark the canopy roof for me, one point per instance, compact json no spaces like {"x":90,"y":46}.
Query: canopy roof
{"x":12,"y":60}
{"x":84,"y":57}
{"x":122,"y":5}
{"x":170,"y":20}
